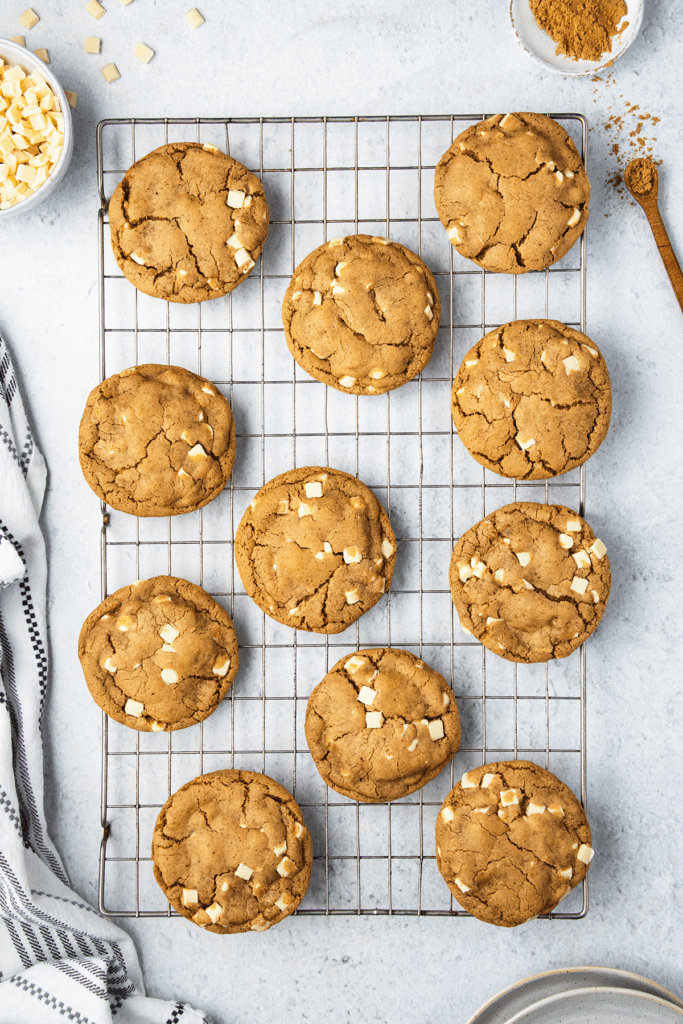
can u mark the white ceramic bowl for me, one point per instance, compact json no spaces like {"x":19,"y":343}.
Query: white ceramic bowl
{"x":12,"y":53}
{"x":538,"y":45}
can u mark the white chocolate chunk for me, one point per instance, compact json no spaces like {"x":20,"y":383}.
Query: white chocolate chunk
{"x":454,"y":234}
{"x":527,"y":585}
{"x":347,"y":382}
{"x":525,"y":444}
{"x":234,"y":242}
{"x":327,"y":547}
{"x":352,"y":596}
{"x":221,"y":666}
{"x":565,"y":873}
{"x":591,"y":351}
{"x":480,"y":810}
{"x":214,"y":912}
{"x":462,"y":886}
{"x":479,"y":570}
{"x":169,"y":633}
{"x":578,"y":585}
{"x":283,"y":507}
{"x":571,"y":364}
{"x":95,"y":9}
{"x":169,"y":676}
{"x":509,"y":356}
{"x":598,"y":549}
{"x":282,"y":902}
{"x":197,"y":452}
{"x":298,"y":830}
{"x":387,"y":548}
{"x":471,"y":362}
{"x":490,"y":620}
{"x":575,"y":218}
{"x":109,"y":666}
{"x":467,"y":783}
{"x":157,"y":727}
{"x":167,"y":649}
{"x":446,"y":699}
{"x":585,"y":853}
{"x":499,"y":575}
{"x":134,"y":707}
{"x":279,"y":850}
{"x":181,"y":473}
{"x":338,"y":290}
{"x":145,"y":53}
{"x":560,"y":177}
{"x":354,"y":663}
{"x":447,"y":814}
{"x":305,"y":510}
{"x":413,"y":745}
{"x":596,"y":596}
{"x":235,"y":199}
{"x":137,"y":259}
{"x":557,"y":811}
{"x":314,"y":489}
{"x":190,"y":897}
{"x":573,"y":526}
{"x":110,"y":73}
{"x":582,"y":559}
{"x":333,"y":242}
{"x":317,"y":299}
{"x":436,"y":729}
{"x":533,"y":808}
{"x":508,"y":797}
{"x":487,"y":780}
{"x":389,"y":757}
{"x":524,"y":557}
{"x":377,"y":374}
{"x":565,"y":541}
{"x":259,"y":925}
{"x":373,"y":719}
{"x":286,"y":867}
{"x":367,"y":695}
{"x":208,"y":391}
{"x":428,"y":313}
{"x":464,"y":573}
{"x":245,"y":872}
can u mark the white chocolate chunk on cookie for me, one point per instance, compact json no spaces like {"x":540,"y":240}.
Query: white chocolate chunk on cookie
{"x":578,"y":585}
{"x":352,"y":554}
{"x":221,"y":666}
{"x":575,"y":218}
{"x":169,"y":633}
{"x":134,"y":708}
{"x":436,"y":729}
{"x":286,"y":867}
{"x":352,"y":596}
{"x":244,"y":871}
{"x":508,"y":797}
{"x":582,"y":559}
{"x":367,"y":695}
{"x":169,"y":676}
{"x":598,"y":549}
{"x":462,"y":886}
{"x":447,"y":814}
{"x":488,"y":779}
{"x":189,"y":897}
{"x":354,"y":663}
{"x":566,"y":541}
{"x":347,"y":382}
{"x":524,"y":557}
{"x":571,"y":364}
{"x":533,"y":808}
{"x":214,"y":912}
{"x":585,"y":853}
{"x":314,"y":489}
{"x":373,"y":719}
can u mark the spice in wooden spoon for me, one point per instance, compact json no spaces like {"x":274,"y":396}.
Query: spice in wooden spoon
{"x":642,"y":181}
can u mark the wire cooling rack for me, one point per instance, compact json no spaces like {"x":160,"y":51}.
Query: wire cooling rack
{"x":326,"y":177}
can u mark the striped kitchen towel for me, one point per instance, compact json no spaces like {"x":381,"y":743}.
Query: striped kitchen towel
{"x":59,"y":959}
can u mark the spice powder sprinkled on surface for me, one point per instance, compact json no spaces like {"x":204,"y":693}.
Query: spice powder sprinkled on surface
{"x":582,"y":29}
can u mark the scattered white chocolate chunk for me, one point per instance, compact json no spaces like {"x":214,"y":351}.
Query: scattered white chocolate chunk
{"x":145,"y":54}
{"x":190,"y":897}
{"x":575,"y":218}
{"x":471,"y":362}
{"x":527,"y":585}
{"x":134,"y":707}
{"x":352,"y":596}
{"x":304,"y":510}
{"x":499,"y":575}
{"x":110,"y":73}
{"x":573,"y":526}
{"x":582,"y":559}
{"x":578,"y":585}
{"x":193,"y":18}
{"x":533,"y":808}
{"x":487,"y":780}
{"x":298,"y":830}
{"x":524,"y":445}
{"x":28,"y":19}
{"x":327,"y":547}
{"x":137,"y":259}
{"x":596,"y":596}
{"x":566,"y":541}
{"x":428,"y":313}
{"x":387,"y":548}
{"x":436,"y":729}
{"x":367,"y":695}
{"x":241,"y":257}
{"x":109,"y":666}
{"x":454,"y":233}
{"x":354,"y":663}
{"x":221,"y":666}
{"x":523,"y":557}
{"x":214,"y":912}
{"x":377,"y":374}
{"x":508,"y":797}
{"x":317,"y":299}
{"x":95,"y":9}
{"x":235,"y":199}
{"x":282,"y":902}
{"x":462,"y":886}
{"x":598,"y":549}
{"x":445,"y":699}
{"x":169,"y":633}
{"x":490,"y":621}
{"x":245,"y":872}
{"x":447,"y":814}
{"x":565,"y":873}
{"x":314,"y":489}
{"x":352,"y":555}
{"x":92,"y":44}
{"x":373,"y":719}
{"x":169,"y":676}
{"x":571,"y":364}
{"x":347,"y":382}
{"x":413,"y":745}
{"x":585,"y":853}
{"x":286,"y":867}
{"x":479,"y":569}
{"x":283,"y":507}
{"x":509,"y":356}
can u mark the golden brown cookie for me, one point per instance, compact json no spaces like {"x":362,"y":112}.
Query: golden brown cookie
{"x":188,"y":222}
{"x":532,"y":399}
{"x":512,"y":192}
{"x":381,"y":724}
{"x":315,"y":549}
{"x":530,"y":581}
{"x":158,"y":655}
{"x":231,"y":852}
{"x":157,"y":440}
{"x":361,"y":314}
{"x":511,"y":841}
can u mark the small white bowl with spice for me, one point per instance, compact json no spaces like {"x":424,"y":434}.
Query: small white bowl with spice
{"x":571,"y":38}
{"x":36,"y":130}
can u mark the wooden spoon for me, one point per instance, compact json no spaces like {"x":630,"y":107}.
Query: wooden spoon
{"x":642,"y":181}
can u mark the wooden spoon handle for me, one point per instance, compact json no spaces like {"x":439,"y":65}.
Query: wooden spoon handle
{"x":669,"y":260}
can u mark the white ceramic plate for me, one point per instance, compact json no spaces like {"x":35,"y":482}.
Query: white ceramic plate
{"x":509,"y":1002}
{"x":538,"y":45}
{"x":15,"y":54}
{"x":600,"y":1006}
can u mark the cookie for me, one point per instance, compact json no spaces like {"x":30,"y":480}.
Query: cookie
{"x":381,"y":724}
{"x":532,"y":399}
{"x":158,"y":655}
{"x":231,"y":852}
{"x":512,"y":193}
{"x":188,"y":222}
{"x":361,"y":314}
{"x":315,"y":549}
{"x":157,"y":441}
{"x":511,"y":841}
{"x":530,"y":581}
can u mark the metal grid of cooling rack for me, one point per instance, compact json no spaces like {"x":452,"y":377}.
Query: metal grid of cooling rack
{"x":327,"y":177}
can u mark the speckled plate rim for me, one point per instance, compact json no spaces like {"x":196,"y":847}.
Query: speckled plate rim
{"x":540,"y":48}
{"x":600,"y":1005}
{"x":511,"y":1000}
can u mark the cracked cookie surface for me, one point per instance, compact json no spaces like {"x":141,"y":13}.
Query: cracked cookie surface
{"x":188,"y":222}
{"x":315,"y":549}
{"x":511,"y":841}
{"x":231,"y":852}
{"x":381,"y":724}
{"x":157,"y":440}
{"x":512,"y":193}
{"x":532,"y":399}
{"x":361,"y":314}
{"x":530,"y":581}
{"x":158,"y":655}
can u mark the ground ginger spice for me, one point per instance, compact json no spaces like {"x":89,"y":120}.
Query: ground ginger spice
{"x":582,"y":29}
{"x":640,"y":176}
